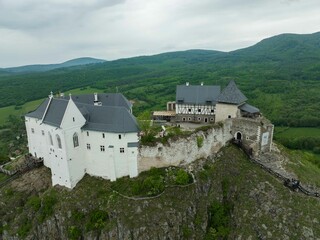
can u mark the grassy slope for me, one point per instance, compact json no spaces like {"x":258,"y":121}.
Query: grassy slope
{"x":286,"y":132}
{"x":262,"y":206}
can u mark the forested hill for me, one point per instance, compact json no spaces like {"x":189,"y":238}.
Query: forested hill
{"x":280,"y":75}
{"x":48,"y":67}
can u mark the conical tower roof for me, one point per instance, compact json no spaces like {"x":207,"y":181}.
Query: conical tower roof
{"x":232,"y":94}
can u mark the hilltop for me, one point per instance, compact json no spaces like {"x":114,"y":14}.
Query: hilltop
{"x":49,"y":67}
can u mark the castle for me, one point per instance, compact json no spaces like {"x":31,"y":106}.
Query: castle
{"x":98,"y":134}
{"x":95,"y":134}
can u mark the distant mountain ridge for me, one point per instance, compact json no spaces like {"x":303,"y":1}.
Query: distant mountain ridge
{"x":48,"y":67}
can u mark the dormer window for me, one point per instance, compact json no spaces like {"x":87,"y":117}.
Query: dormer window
{"x":103,"y":136}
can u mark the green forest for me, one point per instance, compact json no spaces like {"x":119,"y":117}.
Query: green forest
{"x":279,"y":75}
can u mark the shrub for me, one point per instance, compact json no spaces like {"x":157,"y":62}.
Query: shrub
{"x":48,"y":203}
{"x":74,"y":233}
{"x":24,"y":228}
{"x":153,"y":185}
{"x":34,"y":202}
{"x":97,"y":219}
{"x":219,"y":220}
{"x":148,"y":139}
{"x":199,"y":141}
{"x":182,"y":177}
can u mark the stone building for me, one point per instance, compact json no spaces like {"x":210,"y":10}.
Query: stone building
{"x":207,"y":104}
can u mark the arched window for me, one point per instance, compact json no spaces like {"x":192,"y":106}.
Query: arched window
{"x":75,"y":140}
{"x":50,"y":139}
{"x":59,"y":141}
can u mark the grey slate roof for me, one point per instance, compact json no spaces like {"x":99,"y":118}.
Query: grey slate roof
{"x":38,"y":113}
{"x":232,"y":94}
{"x":55,"y":112}
{"x":203,"y":95}
{"x":248,"y":108}
{"x":109,"y":119}
{"x":112,"y":116}
{"x":107,"y":99}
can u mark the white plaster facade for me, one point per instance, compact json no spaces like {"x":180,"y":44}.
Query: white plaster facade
{"x":99,"y":153}
{"x":225,"y":111}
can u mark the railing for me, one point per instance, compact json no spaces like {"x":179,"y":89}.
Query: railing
{"x":29,"y":164}
{"x":293,"y":184}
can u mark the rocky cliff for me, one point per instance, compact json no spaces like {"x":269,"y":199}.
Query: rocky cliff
{"x":231,"y":198}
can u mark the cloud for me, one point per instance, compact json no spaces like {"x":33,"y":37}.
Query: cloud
{"x":34,"y":31}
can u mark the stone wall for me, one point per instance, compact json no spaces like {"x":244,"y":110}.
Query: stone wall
{"x":255,"y":133}
{"x":184,"y":150}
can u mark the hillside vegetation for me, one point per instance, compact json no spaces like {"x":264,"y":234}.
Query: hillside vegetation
{"x":280,"y":75}
{"x":231,"y":199}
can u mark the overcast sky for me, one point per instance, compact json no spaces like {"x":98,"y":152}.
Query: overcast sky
{"x":53,"y":31}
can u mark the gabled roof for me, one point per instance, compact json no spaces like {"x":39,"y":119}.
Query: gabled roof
{"x":109,"y":119}
{"x":232,"y":94}
{"x":38,"y":113}
{"x":204,"y":95}
{"x":55,"y":112}
{"x":248,"y":108}
{"x":107,"y":99}
{"x":112,"y":116}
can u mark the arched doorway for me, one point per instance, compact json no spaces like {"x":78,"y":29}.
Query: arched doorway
{"x":238,"y":135}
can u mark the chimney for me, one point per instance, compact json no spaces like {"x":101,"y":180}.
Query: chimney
{"x":96,"y":101}
{"x":95,"y":97}
{"x":201,"y":83}
{"x":187,"y":83}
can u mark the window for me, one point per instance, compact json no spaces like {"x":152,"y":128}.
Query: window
{"x":212,"y":110}
{"x":50,"y":138}
{"x":75,"y":140}
{"x":59,"y":141}
{"x":102,"y":149}
{"x":189,"y":109}
{"x":229,"y":116}
{"x":184,"y":119}
{"x":32,"y":130}
{"x":199,"y":119}
{"x":119,"y":136}
{"x":73,"y":119}
{"x":88,"y":146}
{"x":103,"y":135}
{"x":121,"y":150}
{"x":199,"y":110}
{"x":42,"y":132}
{"x":189,"y":119}
{"x":88,"y":134}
